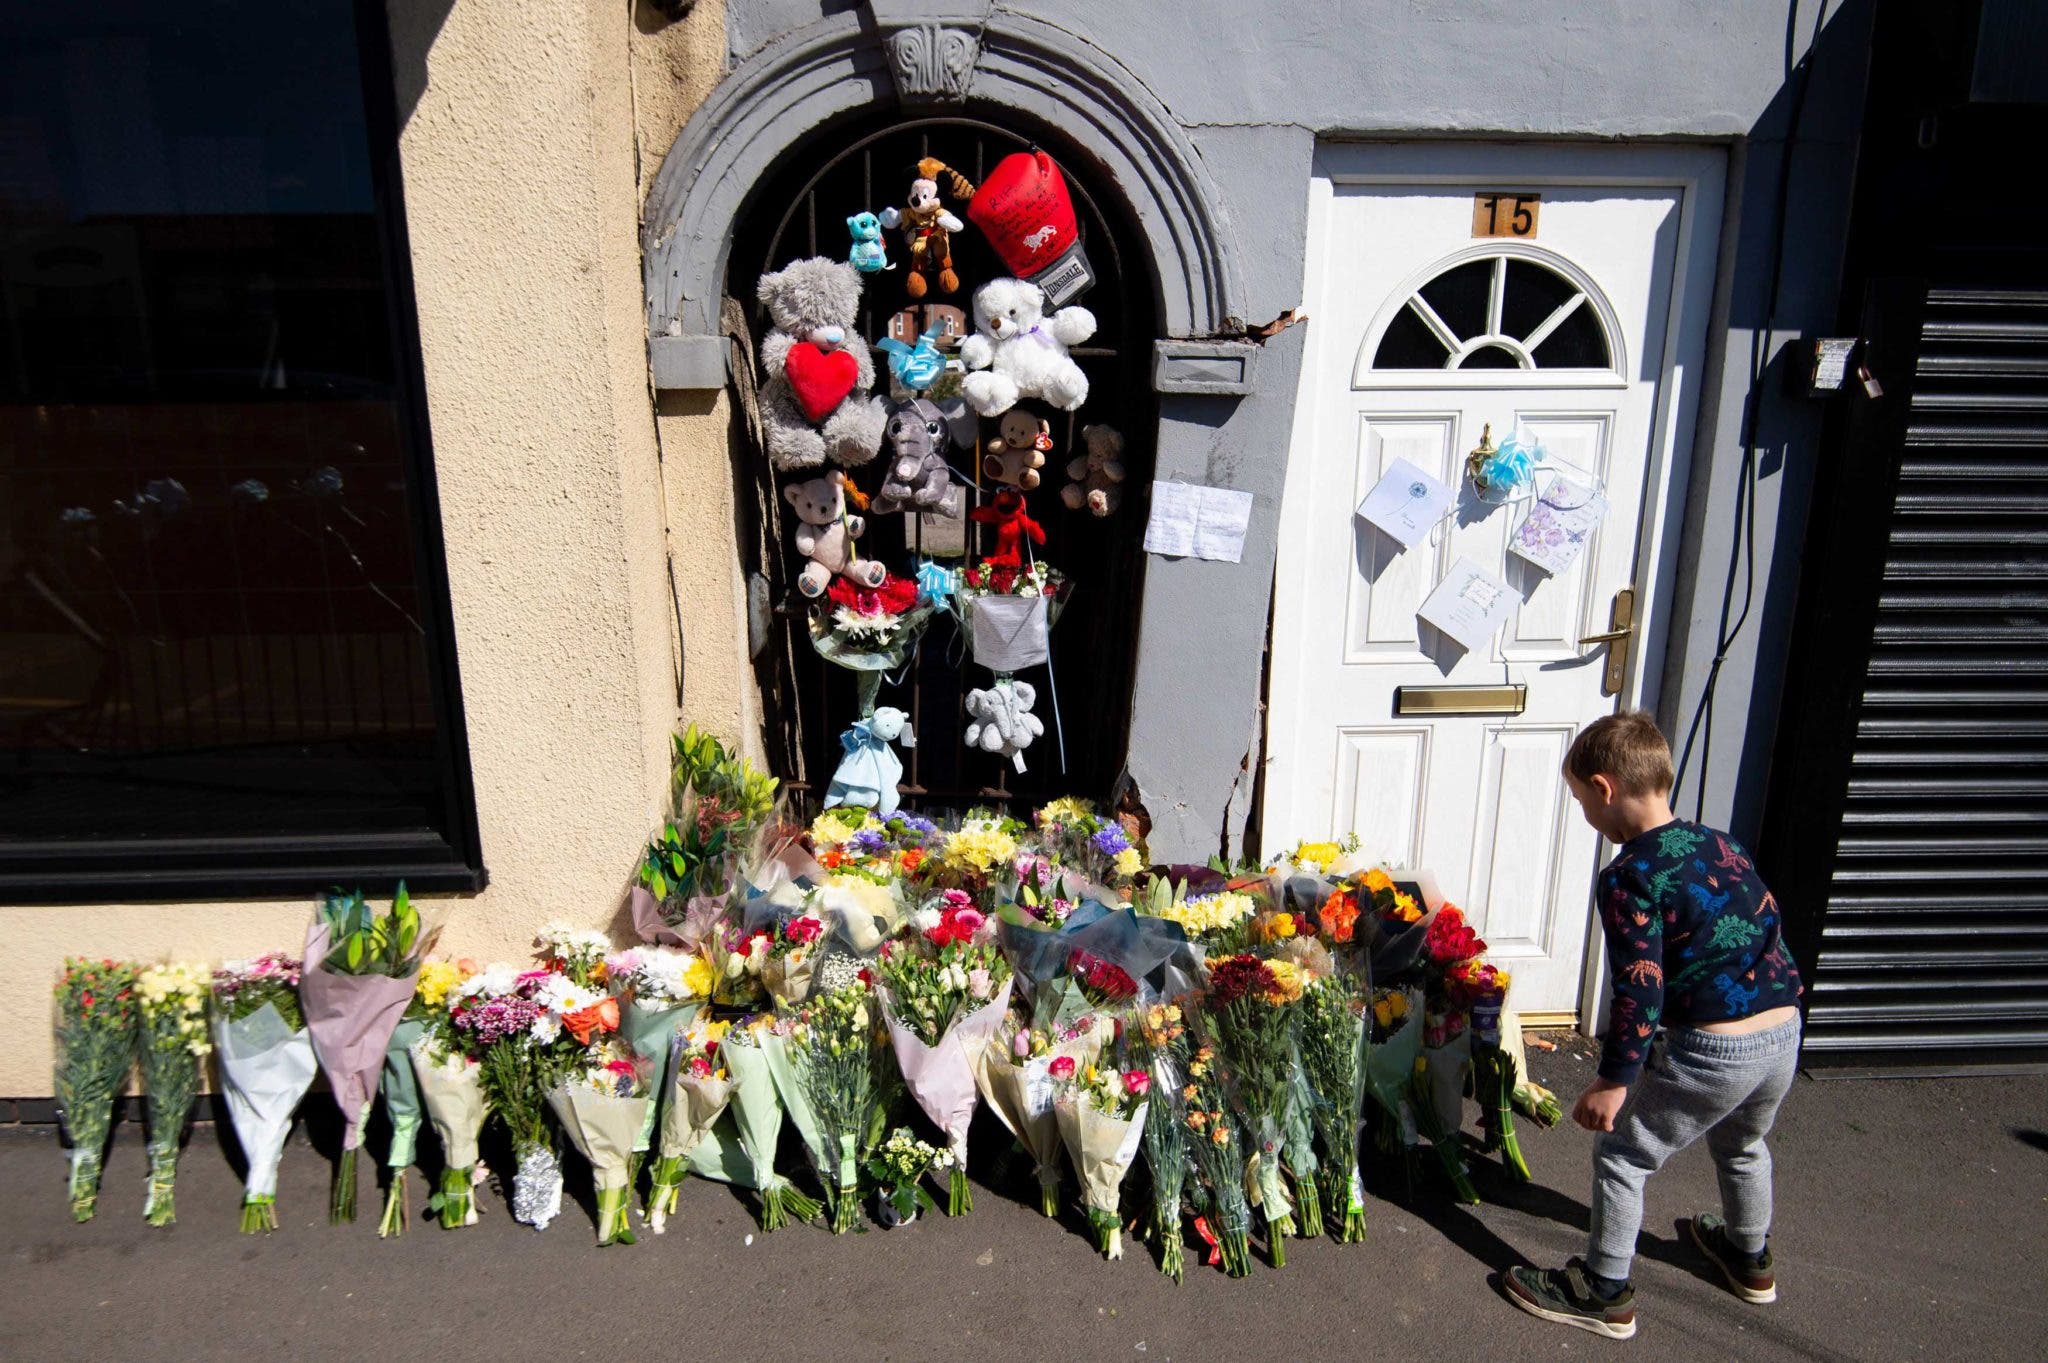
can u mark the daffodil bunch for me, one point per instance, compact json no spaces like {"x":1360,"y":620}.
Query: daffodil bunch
{"x":171,"y":1000}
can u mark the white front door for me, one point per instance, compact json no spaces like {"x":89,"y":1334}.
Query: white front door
{"x":1588,"y":335}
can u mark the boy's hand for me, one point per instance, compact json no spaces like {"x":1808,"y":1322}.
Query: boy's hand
{"x":1600,"y":1104}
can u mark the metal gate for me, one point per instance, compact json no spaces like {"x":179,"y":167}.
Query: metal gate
{"x":801,"y":212}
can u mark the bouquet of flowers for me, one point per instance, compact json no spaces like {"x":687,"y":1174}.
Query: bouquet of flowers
{"x":896,"y":1168}
{"x":449,"y":1077}
{"x":528,"y":1031}
{"x":1076,"y":836}
{"x":660,"y":992}
{"x":1439,"y":1083}
{"x":1333,"y":1028}
{"x":1212,"y":910}
{"x":266,"y":1065}
{"x":753,"y":1051}
{"x":699,"y":1090}
{"x":1162,"y":1037}
{"x":172,"y":1002}
{"x":1483,"y":989}
{"x":1217,"y":1149}
{"x":791,"y":959}
{"x":357,"y":983}
{"x":600,"y":1103}
{"x":400,"y":1086}
{"x":831,"y":1052}
{"x":870,"y":630}
{"x":1014,"y":1075}
{"x":943,"y":1002}
{"x":974,"y":856}
{"x":1251,"y":1008}
{"x":719,"y":805}
{"x":95,"y":1047}
{"x":1102,"y":1121}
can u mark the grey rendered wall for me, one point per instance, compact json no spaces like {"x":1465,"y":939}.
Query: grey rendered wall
{"x":1254,"y":87}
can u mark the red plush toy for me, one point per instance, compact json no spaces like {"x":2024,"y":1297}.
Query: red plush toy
{"x":1006,"y":513}
{"x":1024,"y":210}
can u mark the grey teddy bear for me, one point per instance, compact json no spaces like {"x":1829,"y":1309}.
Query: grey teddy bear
{"x":816,"y":404}
{"x":920,"y":433}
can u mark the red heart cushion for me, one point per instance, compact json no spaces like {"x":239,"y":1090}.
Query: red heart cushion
{"x":820,"y":378}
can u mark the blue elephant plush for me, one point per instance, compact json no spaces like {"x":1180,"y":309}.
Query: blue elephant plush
{"x":870,"y":770}
{"x":868,"y":255}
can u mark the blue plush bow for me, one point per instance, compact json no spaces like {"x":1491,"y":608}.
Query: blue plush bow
{"x":1510,"y":470}
{"x":936,"y":583}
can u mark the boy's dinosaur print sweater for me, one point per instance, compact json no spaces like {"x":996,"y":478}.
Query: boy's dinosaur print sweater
{"x":1692,"y":937}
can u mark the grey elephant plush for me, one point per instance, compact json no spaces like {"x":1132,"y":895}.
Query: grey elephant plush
{"x":1003,"y":722}
{"x":921,"y":433}
{"x":816,"y":405}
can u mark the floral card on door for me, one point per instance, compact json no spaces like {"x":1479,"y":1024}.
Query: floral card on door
{"x":1554,"y":532}
{"x":1469,"y":605}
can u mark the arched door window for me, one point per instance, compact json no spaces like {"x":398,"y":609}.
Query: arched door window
{"x":1494,"y":314}
{"x":801,"y":211}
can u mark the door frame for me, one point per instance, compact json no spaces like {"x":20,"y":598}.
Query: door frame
{"x":1699,"y":172}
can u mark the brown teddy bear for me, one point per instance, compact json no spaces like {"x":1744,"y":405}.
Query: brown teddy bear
{"x":825,"y":534}
{"x":1018,"y":452}
{"x":1095,"y":475}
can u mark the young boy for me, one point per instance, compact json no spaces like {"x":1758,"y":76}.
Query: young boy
{"x":1693,"y":941}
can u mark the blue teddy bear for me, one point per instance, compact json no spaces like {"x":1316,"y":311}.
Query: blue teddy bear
{"x":868,"y":255}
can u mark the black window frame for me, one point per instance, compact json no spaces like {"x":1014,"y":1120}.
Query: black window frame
{"x":226,"y":867}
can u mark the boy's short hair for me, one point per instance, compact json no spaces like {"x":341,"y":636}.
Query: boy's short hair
{"x":1628,"y":749}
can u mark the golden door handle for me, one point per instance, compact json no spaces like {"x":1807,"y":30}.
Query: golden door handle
{"x":1619,"y":636}
{"x":1608,"y":636}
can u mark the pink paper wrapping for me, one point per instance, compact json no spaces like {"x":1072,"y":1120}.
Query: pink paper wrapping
{"x":941,"y":1077}
{"x":647,"y":920}
{"x":351,"y":1018}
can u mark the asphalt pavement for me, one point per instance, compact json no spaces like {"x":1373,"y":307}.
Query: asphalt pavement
{"x":1910,"y":1224}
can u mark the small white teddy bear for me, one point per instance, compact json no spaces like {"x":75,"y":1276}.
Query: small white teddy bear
{"x":1003,"y":722}
{"x":1018,"y":352}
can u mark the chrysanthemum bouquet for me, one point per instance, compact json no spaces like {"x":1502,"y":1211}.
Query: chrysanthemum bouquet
{"x":897,"y":1168}
{"x":1212,"y":911}
{"x":831,"y":1052}
{"x":600,"y":1103}
{"x":1217,"y":1147}
{"x":946,"y":991}
{"x":1101,"y":1114}
{"x":1333,"y":1039}
{"x":266,"y":1065}
{"x":171,"y":1000}
{"x":95,"y":1046}
{"x":528,"y":1031}
{"x":975,"y":855}
{"x":1251,"y":1008}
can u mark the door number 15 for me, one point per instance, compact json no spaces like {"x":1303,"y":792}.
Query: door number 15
{"x":1505,"y":215}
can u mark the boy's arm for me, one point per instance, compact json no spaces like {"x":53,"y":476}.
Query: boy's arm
{"x":1635,"y":957}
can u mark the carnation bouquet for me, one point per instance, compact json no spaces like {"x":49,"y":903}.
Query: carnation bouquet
{"x":1250,"y":1009}
{"x":1014,"y":1075}
{"x":831,"y":1055}
{"x":660,"y":991}
{"x":753,"y":1051}
{"x":266,"y":1065}
{"x":600,"y":1103}
{"x":1162,"y":1038}
{"x":897,"y":1168}
{"x":1333,"y":1049}
{"x":401,"y":1086}
{"x":945,"y":995}
{"x":1218,"y":1150}
{"x":95,"y":1048}
{"x":1101,"y":1114}
{"x":698,"y":1092}
{"x":357,"y":983}
{"x":171,"y":1000}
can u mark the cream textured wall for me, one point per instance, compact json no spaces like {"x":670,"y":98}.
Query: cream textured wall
{"x":523,"y":159}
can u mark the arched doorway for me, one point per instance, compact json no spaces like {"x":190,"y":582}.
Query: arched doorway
{"x":799,"y":209}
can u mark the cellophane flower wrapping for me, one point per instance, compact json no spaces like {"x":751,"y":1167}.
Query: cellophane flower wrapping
{"x":401,"y":1092}
{"x":265,"y":1069}
{"x":699,"y":1092}
{"x":941,"y":1078}
{"x":1390,"y":1061}
{"x":1162,"y":1040}
{"x":1217,"y":1147}
{"x":96,"y":1038}
{"x":600,"y":1106}
{"x":1250,"y":1009}
{"x":1101,"y":1147}
{"x":831,"y":1053}
{"x":1333,"y":1050}
{"x":172,"y":1003}
{"x":660,"y":992}
{"x":452,"y":1091}
{"x":1015,"y":1076}
{"x":753,"y":1054}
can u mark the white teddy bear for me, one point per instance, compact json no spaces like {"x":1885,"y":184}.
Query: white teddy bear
{"x":1018,"y":352}
{"x":1003,"y":722}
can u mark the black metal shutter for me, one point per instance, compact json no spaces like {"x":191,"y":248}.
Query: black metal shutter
{"x":1933,"y":943}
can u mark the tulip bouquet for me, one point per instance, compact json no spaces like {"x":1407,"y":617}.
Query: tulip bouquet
{"x":1251,"y":1008}
{"x":1014,"y":1075}
{"x":266,"y":1066}
{"x":95,"y":1047}
{"x":358,"y":981}
{"x":1101,"y":1114}
{"x":1333,"y":1050}
{"x":171,"y":1001}
{"x":600,"y":1103}
{"x":753,"y":1052}
{"x":945,"y":994}
{"x":699,"y":1090}
{"x":831,"y":1053}
{"x":1162,"y":1039}
{"x":1218,"y":1150}
{"x":897,"y":1168}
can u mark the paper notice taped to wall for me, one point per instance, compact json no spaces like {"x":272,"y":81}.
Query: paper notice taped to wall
{"x":1192,"y":521}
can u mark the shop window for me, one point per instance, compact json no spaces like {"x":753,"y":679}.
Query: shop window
{"x":801,"y":212}
{"x":225,"y":655}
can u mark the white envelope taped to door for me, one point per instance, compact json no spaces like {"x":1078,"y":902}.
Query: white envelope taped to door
{"x":1010,"y":632}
